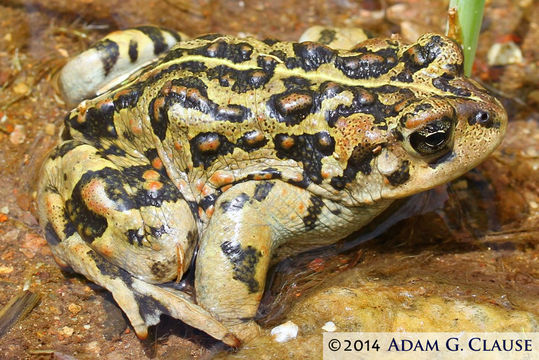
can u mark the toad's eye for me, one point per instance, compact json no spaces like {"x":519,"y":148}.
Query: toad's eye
{"x":434,"y":138}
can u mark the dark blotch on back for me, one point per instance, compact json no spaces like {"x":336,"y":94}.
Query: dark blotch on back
{"x":90,"y":225}
{"x":442,"y":83}
{"x":307,"y":149}
{"x":252,"y":140}
{"x":367,"y":64}
{"x":291,"y":107}
{"x":207,"y":147}
{"x":223,"y":49}
{"x":98,"y":122}
{"x":364,"y":101}
{"x":240,"y":80}
{"x":310,"y":55}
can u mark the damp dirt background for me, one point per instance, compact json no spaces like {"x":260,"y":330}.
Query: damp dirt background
{"x":471,"y":245}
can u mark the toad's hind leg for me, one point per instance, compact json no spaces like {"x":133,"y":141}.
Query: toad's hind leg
{"x":112,"y":59}
{"x":335,"y":37}
{"x":124,"y":226}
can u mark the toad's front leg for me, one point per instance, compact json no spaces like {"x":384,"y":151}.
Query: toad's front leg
{"x":250,"y":221}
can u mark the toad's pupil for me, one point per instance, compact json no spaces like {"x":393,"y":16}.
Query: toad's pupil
{"x":436,"y":140}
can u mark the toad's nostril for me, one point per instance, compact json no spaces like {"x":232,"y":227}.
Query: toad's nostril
{"x":482,"y":118}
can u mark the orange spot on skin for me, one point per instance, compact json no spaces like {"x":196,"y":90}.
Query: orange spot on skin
{"x":377,"y":150}
{"x":372,"y":58}
{"x":157,"y":163}
{"x":294,"y":102}
{"x":206,"y":190}
{"x":121,"y":93}
{"x":366,"y":97}
{"x":82,"y":112}
{"x":287,"y":143}
{"x":225,"y":188}
{"x":153,"y":185}
{"x":200,"y":212}
{"x":150,"y":175}
{"x":255,"y":137}
{"x":182,"y":185}
{"x":105,"y":250}
{"x":104,"y":102}
{"x":135,"y":125}
{"x":95,"y":197}
{"x":81,"y":117}
{"x":211,"y":144}
{"x":209,"y":211}
{"x":297,"y":177}
{"x":325,"y":174}
{"x":220,"y":178}
{"x":301,"y":207}
{"x":421,"y":119}
{"x":399,"y":106}
{"x":158,"y":103}
{"x":199,"y":184}
{"x":263,"y":176}
{"x":178,"y":146}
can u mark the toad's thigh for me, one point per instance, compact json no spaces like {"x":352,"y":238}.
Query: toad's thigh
{"x":131,"y":214}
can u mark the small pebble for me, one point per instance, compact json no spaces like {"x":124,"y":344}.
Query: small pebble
{"x":285,"y":332}
{"x":74,"y":308}
{"x":504,"y":54}
{"x":21,"y":88}
{"x":17,"y":136}
{"x":50,"y":129}
{"x":31,"y":244}
{"x":6,"y":270}
{"x":67,"y":331}
{"x":92,"y":347}
{"x":329,"y":326}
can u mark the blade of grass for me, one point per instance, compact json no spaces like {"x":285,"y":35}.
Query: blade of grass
{"x":469,"y":18}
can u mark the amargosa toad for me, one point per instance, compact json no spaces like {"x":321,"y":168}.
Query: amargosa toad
{"x":232,"y":148}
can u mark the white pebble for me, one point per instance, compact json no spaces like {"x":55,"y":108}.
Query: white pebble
{"x":329,"y":326}
{"x":285,"y":332}
{"x":504,"y":54}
